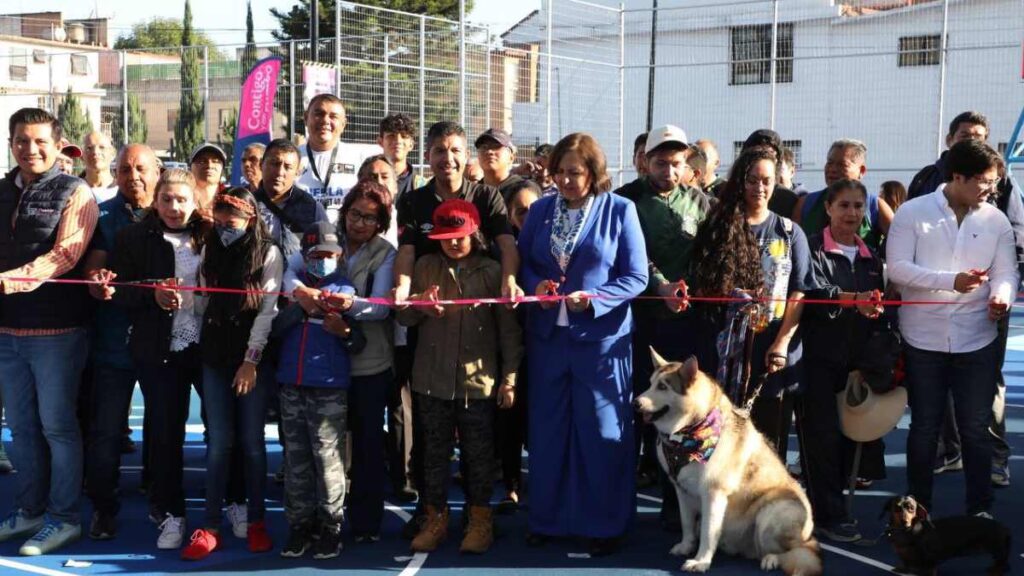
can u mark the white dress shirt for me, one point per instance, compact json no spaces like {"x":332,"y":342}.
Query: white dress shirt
{"x":926,"y":249}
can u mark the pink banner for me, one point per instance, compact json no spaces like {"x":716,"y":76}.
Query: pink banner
{"x":256,"y":112}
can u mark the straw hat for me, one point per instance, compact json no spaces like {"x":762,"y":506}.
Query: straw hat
{"x":865,"y":415}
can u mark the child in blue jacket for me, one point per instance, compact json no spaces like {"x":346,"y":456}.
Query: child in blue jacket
{"x":314,"y":374}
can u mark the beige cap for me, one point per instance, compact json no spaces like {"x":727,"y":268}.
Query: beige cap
{"x":664,"y":135}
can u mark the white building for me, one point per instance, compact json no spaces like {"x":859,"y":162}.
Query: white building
{"x":870,"y":70}
{"x":36,"y":70}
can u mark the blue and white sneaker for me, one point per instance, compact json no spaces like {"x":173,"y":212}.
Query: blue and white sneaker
{"x":51,"y":536}
{"x":17,"y":524}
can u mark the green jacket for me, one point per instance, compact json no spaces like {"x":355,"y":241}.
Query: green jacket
{"x":466,"y":351}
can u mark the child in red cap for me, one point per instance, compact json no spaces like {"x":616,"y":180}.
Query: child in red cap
{"x":465,"y":356}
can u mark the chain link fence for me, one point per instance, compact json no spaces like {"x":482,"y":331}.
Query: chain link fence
{"x":889,"y":72}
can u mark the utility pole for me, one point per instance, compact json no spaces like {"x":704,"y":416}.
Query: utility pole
{"x":314,"y":29}
{"x":650,"y":70}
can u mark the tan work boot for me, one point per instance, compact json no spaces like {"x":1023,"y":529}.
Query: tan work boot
{"x":480,"y":532}
{"x":433,"y":532}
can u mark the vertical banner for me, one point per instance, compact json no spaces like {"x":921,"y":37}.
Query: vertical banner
{"x":317,"y":79}
{"x":255,"y":111}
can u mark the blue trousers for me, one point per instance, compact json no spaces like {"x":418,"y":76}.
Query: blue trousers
{"x":233,"y":420}
{"x":582,"y":458}
{"x":40,"y":380}
{"x":971,"y":377}
{"x":367,"y":398}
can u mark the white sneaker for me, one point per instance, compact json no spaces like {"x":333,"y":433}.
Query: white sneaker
{"x":51,"y":536}
{"x":172,"y":533}
{"x":17,"y":524}
{"x":238,"y":515}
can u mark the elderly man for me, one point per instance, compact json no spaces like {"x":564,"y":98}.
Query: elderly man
{"x":710,"y":181}
{"x":252,"y":157}
{"x":99,"y":153}
{"x":47,"y":219}
{"x":847,"y":159}
{"x":114,"y":375}
{"x":207,"y":165}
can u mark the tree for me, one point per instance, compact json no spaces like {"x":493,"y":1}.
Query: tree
{"x":74,"y":122}
{"x":137,"y":129}
{"x":163,"y":33}
{"x":249,"y":54}
{"x":188,"y":133}
{"x":294,"y":23}
{"x":226,"y":138}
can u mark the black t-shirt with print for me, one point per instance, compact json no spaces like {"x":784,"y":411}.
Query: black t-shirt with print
{"x":416,"y":214}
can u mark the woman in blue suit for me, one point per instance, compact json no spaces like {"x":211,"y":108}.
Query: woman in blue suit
{"x":585,"y":244}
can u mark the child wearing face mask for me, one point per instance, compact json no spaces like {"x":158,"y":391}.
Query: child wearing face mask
{"x":466,"y":357}
{"x":237,"y":256}
{"x":314,"y":370}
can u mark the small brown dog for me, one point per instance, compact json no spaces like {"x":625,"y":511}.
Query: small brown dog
{"x":922,"y":543}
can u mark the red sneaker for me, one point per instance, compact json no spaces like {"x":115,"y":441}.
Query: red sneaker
{"x":259,"y":540}
{"x":203,"y":542}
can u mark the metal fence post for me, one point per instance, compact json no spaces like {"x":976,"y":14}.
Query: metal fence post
{"x":124,"y":99}
{"x":551,"y":9}
{"x":774,"y":62}
{"x":940,"y":141}
{"x":462,"y":62}
{"x":487,"y":107}
{"x":423,"y":93}
{"x":337,"y":49}
{"x":387,"y":74}
{"x":622,"y":88}
{"x":291,"y":89}
{"x":206,"y":93}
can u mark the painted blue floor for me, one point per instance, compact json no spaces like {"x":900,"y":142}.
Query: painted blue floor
{"x":645,"y":551}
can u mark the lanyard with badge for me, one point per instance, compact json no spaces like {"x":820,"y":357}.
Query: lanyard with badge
{"x":330,"y":166}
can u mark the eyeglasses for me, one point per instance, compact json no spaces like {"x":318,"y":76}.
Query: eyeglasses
{"x":986,"y":184}
{"x":355,"y":217}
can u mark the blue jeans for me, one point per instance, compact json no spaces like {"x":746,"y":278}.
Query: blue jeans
{"x":971,"y":378}
{"x":108,"y":411}
{"x":40,"y":380}
{"x":233,"y":420}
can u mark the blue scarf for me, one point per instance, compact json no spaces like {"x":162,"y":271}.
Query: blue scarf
{"x":565,"y":232}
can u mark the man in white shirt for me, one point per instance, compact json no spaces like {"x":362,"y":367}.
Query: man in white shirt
{"x":953,"y":247}
{"x":99,"y":153}
{"x":329,"y":167}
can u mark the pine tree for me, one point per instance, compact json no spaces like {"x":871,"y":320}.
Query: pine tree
{"x":74,"y":122}
{"x":188,"y":133}
{"x":249,"y":54}
{"x":226,"y":137}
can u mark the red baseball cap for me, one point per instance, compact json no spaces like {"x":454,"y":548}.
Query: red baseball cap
{"x":455,"y":219}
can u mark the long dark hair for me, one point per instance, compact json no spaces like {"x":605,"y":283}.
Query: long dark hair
{"x":726,"y":255}
{"x":248,"y":253}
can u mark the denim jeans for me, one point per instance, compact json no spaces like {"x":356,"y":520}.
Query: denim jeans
{"x":108,"y":410}
{"x":233,"y":420}
{"x":971,"y":378}
{"x":40,"y":380}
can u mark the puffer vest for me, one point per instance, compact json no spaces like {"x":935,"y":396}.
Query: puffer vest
{"x":378,"y":354}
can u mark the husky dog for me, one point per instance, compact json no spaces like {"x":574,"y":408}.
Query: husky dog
{"x":725,"y":473}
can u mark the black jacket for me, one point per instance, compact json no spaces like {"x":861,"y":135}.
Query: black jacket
{"x":142,"y":253}
{"x":833,"y":333}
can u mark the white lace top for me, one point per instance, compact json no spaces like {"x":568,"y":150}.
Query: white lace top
{"x":185,"y":328}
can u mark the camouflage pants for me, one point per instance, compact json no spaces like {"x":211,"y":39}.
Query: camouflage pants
{"x":313,"y":423}
{"x":438,"y":420}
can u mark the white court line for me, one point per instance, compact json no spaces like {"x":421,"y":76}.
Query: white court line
{"x":30,"y":568}
{"x":833,"y":549}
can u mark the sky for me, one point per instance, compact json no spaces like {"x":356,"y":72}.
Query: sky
{"x":224,"y":20}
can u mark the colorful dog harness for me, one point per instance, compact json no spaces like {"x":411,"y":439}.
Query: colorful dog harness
{"x":694,"y":443}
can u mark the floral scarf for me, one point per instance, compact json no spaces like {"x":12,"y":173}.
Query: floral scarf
{"x":695,"y":443}
{"x":565,"y":232}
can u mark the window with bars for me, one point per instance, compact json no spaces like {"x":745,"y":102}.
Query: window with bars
{"x":18,"y":68}
{"x":751,"y":54}
{"x":79,"y":64}
{"x":920,"y":51}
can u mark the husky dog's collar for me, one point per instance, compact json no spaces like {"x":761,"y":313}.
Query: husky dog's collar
{"x":695,"y":443}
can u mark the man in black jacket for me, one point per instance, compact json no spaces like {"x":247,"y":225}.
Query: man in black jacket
{"x":285,"y":208}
